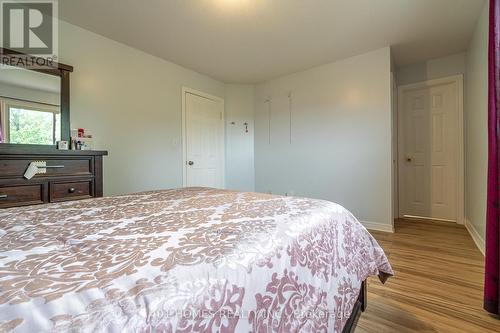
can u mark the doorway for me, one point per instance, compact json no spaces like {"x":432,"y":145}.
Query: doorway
{"x":203,"y":139}
{"x":431,"y":150}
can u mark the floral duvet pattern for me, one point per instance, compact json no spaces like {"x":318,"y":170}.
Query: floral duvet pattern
{"x":186,"y":260}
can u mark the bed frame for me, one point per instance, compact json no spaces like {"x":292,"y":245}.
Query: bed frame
{"x":359,"y":307}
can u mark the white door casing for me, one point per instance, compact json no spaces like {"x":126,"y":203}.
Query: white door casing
{"x":430,"y":149}
{"x":203,"y":139}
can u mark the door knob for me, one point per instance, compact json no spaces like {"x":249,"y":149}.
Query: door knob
{"x":409,"y":159}
{"x":190,"y":162}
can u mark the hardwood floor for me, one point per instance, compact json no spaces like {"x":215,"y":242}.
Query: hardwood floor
{"x":437,"y":286}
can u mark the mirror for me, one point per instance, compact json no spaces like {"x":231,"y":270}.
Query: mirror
{"x":30,"y":107}
{"x":34,"y":100}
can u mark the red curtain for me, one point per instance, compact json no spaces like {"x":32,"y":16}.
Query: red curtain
{"x":492,"y":273}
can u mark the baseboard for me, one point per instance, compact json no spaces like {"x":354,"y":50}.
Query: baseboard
{"x":475,"y":236}
{"x":378,"y":226}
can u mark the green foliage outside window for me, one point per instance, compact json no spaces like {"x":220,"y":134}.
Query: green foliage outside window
{"x":31,"y":127}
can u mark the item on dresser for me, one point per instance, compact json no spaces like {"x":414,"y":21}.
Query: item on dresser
{"x":86,"y":142}
{"x":72,"y":143}
{"x":80,"y":140}
{"x":54,"y":175}
{"x":62,"y":145}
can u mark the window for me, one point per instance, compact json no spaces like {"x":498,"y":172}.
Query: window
{"x":31,"y":123}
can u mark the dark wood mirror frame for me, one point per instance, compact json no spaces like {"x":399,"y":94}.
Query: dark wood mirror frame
{"x":16,"y":59}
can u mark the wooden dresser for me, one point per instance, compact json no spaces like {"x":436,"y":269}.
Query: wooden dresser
{"x":70,"y":175}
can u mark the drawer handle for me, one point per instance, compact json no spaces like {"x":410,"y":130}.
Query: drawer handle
{"x":52,"y":167}
{"x":3,"y":196}
{"x":72,"y":190}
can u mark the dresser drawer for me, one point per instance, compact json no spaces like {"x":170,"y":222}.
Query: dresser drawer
{"x":21,"y":195}
{"x":55,"y":167}
{"x":65,"y":191}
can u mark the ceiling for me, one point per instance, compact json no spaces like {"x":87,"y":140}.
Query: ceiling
{"x":250,"y":41}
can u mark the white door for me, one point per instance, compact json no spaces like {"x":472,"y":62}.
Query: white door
{"x":204,"y":141}
{"x":428,"y":151}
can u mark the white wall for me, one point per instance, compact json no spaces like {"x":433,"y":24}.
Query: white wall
{"x":476,"y":128}
{"x":394,"y":139}
{"x":341,"y":136}
{"x":432,"y":69}
{"x":239,"y":104}
{"x":28,"y":94}
{"x":131,"y":102}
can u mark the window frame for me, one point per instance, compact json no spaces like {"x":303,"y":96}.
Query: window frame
{"x":11,"y":103}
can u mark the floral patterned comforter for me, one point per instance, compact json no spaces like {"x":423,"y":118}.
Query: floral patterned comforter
{"x":186,"y":260}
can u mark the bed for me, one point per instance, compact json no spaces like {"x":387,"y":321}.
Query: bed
{"x":185,"y":260}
